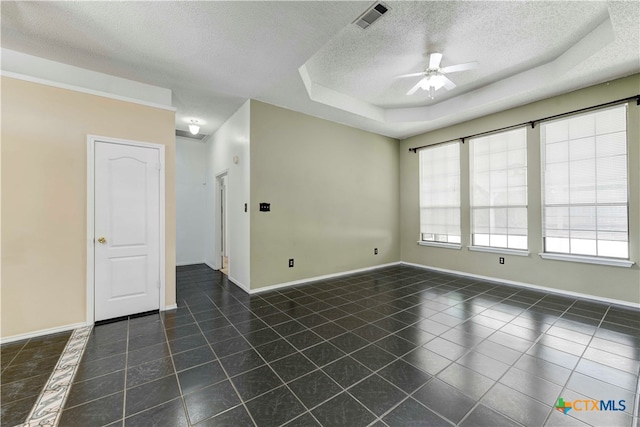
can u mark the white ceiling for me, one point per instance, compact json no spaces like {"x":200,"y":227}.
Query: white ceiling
{"x":309,"y":57}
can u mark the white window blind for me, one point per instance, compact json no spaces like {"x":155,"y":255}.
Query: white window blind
{"x":585,"y":184}
{"x":440,"y":193}
{"x":498,"y":164}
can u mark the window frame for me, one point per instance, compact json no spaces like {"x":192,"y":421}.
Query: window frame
{"x":574,"y":256}
{"x":440,"y":243}
{"x":510,"y":250}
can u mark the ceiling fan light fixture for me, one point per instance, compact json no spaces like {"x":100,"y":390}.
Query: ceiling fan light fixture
{"x":194,"y":128}
{"x":435,"y":81}
{"x":434,"y":77}
{"x":431,"y":84}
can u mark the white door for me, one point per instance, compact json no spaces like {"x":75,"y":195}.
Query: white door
{"x":127,"y":230}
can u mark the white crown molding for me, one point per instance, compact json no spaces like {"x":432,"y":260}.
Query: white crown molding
{"x":19,"y":65}
{"x":59,"y":85}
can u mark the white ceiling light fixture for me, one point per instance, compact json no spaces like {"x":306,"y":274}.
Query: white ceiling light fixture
{"x":194,"y":128}
{"x":434,"y":76}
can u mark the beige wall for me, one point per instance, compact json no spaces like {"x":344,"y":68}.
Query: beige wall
{"x":44,"y":137}
{"x":609,"y":282}
{"x":333,"y":191}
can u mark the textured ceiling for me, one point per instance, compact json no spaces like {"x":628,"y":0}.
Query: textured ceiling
{"x":505,"y":38}
{"x":307,"y":56}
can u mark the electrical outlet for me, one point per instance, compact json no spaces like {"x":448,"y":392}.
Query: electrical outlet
{"x":375,"y":251}
{"x":290,"y":262}
{"x":501,"y":260}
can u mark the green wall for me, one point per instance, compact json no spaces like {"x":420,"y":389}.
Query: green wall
{"x":334,"y":194}
{"x":604,"y":281}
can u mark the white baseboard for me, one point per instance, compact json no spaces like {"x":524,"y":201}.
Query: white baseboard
{"x":170,"y":307}
{"x":42,"y":332}
{"x":528,"y":285}
{"x":240,"y":284}
{"x":326,"y":276}
{"x":182,"y":264}
{"x":231,"y":279}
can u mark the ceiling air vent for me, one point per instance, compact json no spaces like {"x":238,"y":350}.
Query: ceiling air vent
{"x":187,"y":134}
{"x":371,"y":15}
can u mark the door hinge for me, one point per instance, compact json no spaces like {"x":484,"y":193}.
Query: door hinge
{"x":159,"y":166}
{"x":158,"y":284}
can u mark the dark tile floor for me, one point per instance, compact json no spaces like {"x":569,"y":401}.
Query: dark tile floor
{"x":399,"y":346}
{"x":26,"y":366}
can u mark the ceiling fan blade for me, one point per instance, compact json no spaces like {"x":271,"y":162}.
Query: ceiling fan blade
{"x":448,"y":84}
{"x":415,"y":88}
{"x":434,"y":60}
{"x":402,"y":76}
{"x":460,"y":67}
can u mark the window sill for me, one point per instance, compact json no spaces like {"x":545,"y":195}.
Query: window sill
{"x":503,"y":251}
{"x":588,"y":260}
{"x":457,"y":246}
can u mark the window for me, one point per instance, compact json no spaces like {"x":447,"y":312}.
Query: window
{"x":440,"y":193}
{"x":498,"y":170}
{"x":585,"y":205}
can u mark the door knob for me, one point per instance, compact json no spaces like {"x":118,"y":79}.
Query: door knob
{"x":102,"y":240}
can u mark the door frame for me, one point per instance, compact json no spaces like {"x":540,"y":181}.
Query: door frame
{"x":223,"y":219}
{"x":91,"y":143}
{"x":217,"y":247}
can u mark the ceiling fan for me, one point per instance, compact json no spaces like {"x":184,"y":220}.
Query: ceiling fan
{"x":434,"y":77}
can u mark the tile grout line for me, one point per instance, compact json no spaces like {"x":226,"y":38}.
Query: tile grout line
{"x":175,"y":371}
{"x":318,"y":367}
{"x":297,"y":351}
{"x":16,"y":355}
{"x":586,"y":347}
{"x":253,"y":347}
{"x":228,"y":377}
{"x":530,"y":305}
{"x":126,"y":371}
{"x":538,"y":339}
{"x":389,"y":333}
{"x":636,"y":408}
{"x":512,"y":365}
{"x":327,"y":340}
{"x":375,"y":372}
{"x":48,"y":408}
